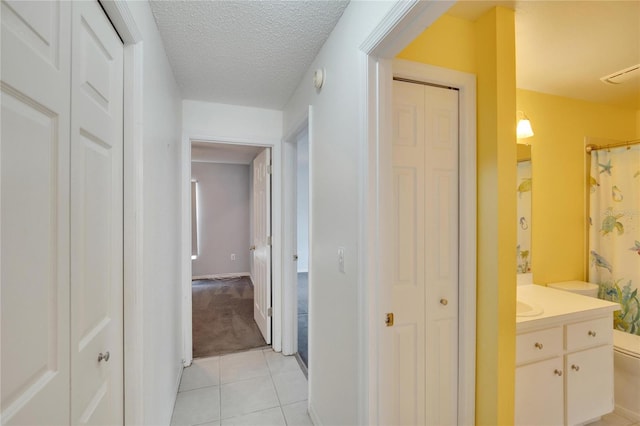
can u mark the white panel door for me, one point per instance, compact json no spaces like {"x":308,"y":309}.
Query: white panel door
{"x":262,"y":235}
{"x":423,"y":370}
{"x":34,"y":213}
{"x":96,"y":218}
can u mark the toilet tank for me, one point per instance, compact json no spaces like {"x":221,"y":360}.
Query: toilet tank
{"x":578,"y":287}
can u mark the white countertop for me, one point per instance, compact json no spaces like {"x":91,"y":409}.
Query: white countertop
{"x":559,"y":307}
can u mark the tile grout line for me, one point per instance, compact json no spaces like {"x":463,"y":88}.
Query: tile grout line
{"x":273,"y":382}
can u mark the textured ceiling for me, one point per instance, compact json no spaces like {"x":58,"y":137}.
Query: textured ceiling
{"x":251,"y":53}
{"x":564,"y":47}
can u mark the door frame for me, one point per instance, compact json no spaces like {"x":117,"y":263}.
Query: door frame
{"x":401,"y":25}
{"x":289,"y":232}
{"x":276,"y":233}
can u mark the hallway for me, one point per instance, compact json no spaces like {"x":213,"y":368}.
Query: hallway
{"x":258,"y":387}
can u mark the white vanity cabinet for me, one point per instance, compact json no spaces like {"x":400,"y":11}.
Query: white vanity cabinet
{"x":539,"y":381}
{"x":589,"y":372}
{"x":564,"y":364}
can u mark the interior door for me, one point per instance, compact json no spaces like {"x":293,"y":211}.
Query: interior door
{"x":421,"y":368}
{"x":96,"y":218}
{"x":34,"y":212}
{"x":262,"y":243}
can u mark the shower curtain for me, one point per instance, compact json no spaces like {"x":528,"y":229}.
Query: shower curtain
{"x":614,"y":231}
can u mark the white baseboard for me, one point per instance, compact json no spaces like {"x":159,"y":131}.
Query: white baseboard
{"x":221,"y":276}
{"x":314,"y":417}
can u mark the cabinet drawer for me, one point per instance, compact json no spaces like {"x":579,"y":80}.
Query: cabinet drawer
{"x":538,"y":345}
{"x":590,"y":333}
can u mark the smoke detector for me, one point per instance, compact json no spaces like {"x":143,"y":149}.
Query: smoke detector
{"x":622,"y":76}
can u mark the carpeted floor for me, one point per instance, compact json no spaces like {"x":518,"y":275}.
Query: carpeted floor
{"x":303,"y":316}
{"x":223,"y":317}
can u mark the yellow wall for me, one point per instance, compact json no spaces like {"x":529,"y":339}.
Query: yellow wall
{"x":560,"y":168}
{"x":449,"y":42}
{"x":487,"y":49}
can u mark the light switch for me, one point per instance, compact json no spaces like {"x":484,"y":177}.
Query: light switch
{"x":341,"y":259}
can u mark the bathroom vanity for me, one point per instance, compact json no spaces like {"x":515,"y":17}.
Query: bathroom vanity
{"x":564,"y":357}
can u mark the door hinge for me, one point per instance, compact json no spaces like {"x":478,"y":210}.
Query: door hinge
{"x":269,"y":240}
{"x":270,"y":169}
{"x":269,"y":312}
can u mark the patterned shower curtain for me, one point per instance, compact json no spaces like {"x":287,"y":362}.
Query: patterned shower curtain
{"x":614,"y":232}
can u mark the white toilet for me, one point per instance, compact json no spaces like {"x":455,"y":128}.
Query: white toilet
{"x":578,"y":287}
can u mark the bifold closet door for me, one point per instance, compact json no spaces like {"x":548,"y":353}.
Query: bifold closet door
{"x":96,"y":218}
{"x":61,"y":215}
{"x":34,"y":212}
{"x":421,"y":367}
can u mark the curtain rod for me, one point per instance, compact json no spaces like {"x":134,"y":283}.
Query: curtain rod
{"x":593,"y":147}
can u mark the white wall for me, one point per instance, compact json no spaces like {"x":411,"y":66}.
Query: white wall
{"x":223,"y":218}
{"x":233,"y":122}
{"x":337,"y":146}
{"x":302,"y":199}
{"x":161,"y":128}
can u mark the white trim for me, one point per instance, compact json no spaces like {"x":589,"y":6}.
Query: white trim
{"x":289,"y":221}
{"x":133,"y":201}
{"x":122,"y":20}
{"x":186,"y":263}
{"x":399,"y":27}
{"x":276,"y":232}
{"x":221,"y":276}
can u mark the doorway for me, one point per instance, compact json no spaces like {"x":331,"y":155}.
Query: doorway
{"x":302,"y":244}
{"x":230,"y":251}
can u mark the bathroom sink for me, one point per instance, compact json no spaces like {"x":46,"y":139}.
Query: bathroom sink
{"x":524,"y":309}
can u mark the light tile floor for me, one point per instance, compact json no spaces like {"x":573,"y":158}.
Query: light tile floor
{"x":257,"y":388}
{"x":614,"y":419}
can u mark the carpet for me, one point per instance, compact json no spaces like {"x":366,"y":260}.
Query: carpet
{"x":223,"y":317}
{"x":303,"y":317}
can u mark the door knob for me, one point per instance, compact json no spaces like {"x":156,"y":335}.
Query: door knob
{"x":295,"y":257}
{"x":103,"y":356}
{"x":252,"y":248}
{"x":557,"y":372}
{"x":575,"y":367}
{"x":444,"y":302}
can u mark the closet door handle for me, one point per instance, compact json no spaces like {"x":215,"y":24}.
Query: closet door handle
{"x":103,"y":356}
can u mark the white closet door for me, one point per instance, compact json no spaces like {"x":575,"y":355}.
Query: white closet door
{"x":34,"y":212}
{"x":96,"y":218}
{"x":262,"y":252}
{"x":422,"y":372}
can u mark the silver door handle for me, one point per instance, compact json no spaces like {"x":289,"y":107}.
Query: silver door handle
{"x":103,"y":356}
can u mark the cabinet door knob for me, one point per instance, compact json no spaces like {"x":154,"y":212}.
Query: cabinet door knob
{"x":592,"y":333}
{"x":444,"y":302}
{"x":538,"y":345}
{"x":557,"y":372}
{"x":103,"y":356}
{"x":575,"y":367}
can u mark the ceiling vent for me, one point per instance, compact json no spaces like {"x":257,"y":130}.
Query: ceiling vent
{"x":619,"y":77}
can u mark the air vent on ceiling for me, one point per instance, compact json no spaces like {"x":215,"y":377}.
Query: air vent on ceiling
{"x":622,"y":76}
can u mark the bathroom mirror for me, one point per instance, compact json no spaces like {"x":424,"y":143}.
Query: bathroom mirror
{"x":523,"y":189}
